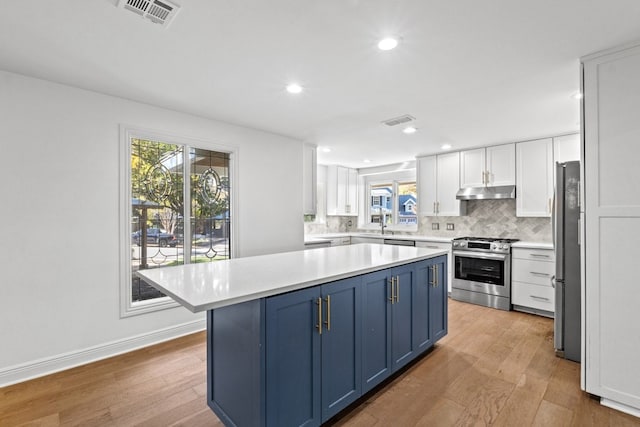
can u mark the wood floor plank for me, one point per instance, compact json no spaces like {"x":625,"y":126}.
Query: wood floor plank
{"x":550,"y":414}
{"x":493,"y":368}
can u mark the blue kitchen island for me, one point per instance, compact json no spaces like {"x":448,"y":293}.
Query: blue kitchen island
{"x":294,"y":338}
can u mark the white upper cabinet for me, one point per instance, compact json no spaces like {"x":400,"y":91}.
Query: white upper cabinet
{"x":534,"y":184}
{"x":490,"y":166}
{"x":438,"y":183}
{"x":566,"y":148}
{"x":342,"y":191}
{"x":473,"y":168}
{"x":309,"y":179}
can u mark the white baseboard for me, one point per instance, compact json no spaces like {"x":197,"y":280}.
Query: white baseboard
{"x":38,"y":368}
{"x":620,"y":407}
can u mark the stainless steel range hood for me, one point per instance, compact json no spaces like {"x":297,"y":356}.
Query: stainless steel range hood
{"x":487,"y":193}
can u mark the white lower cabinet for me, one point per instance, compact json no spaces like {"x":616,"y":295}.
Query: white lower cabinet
{"x":531,"y":289}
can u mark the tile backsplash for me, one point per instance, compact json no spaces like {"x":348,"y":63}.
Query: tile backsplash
{"x":489,"y":218}
{"x":485,"y":218}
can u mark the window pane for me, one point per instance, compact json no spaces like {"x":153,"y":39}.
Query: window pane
{"x":209,"y":206}
{"x":381,"y":200}
{"x":157,"y":205}
{"x":407,"y":203}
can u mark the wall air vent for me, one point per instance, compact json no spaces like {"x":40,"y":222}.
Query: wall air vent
{"x":157,"y":11}
{"x":399,"y":120}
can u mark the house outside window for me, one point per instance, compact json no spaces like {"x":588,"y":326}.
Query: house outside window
{"x":391,"y":198}
{"x":168,"y":180}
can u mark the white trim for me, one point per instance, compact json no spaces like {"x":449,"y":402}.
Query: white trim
{"x":40,"y":367}
{"x":127,"y":307}
{"x":620,"y":407}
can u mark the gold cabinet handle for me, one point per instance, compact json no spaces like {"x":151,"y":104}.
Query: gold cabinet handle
{"x":328,"y":321}
{"x":435,"y":276}
{"x":393,"y":291}
{"x":434,"y":207}
{"x":438,"y":207}
{"x":319,"y":325}
{"x":397,"y":288}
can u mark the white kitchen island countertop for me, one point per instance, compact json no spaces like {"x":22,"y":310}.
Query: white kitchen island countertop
{"x":205,"y":286}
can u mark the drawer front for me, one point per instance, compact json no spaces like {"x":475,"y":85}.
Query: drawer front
{"x":434,"y":245}
{"x":533,"y":254}
{"x":536,"y":272}
{"x":533,"y":296}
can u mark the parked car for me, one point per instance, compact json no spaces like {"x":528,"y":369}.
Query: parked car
{"x":155,"y":236}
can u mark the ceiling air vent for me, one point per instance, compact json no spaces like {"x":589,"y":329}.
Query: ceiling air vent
{"x":158,"y":12}
{"x":399,"y":120}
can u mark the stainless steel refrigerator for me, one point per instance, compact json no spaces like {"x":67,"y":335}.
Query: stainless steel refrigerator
{"x":567,"y":249}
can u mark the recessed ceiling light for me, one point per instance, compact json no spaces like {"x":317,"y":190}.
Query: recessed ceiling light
{"x":326,"y":149}
{"x":366,"y":161}
{"x":446,"y":146}
{"x":577,"y":95}
{"x":294,"y":88}
{"x":410,"y":130}
{"x":387,"y":43}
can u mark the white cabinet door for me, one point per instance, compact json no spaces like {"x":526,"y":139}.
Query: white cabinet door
{"x":612,"y":227}
{"x":534,"y":183}
{"x":427,"y":185}
{"x":472,"y":168}
{"x":309,"y":179}
{"x":438,"y":183}
{"x":490,"y":166}
{"x":351,"y":206}
{"x":566,"y":148}
{"x":448,"y":181}
{"x":342,"y":191}
{"x":501,"y":165}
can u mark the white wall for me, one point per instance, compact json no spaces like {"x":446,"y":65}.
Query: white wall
{"x":59,"y":198}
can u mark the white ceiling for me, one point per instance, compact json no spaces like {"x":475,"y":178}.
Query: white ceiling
{"x":472,"y":72}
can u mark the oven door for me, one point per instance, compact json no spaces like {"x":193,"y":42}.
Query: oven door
{"x":482,"y":272}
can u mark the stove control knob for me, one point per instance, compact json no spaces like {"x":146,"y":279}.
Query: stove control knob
{"x":494,"y":246}
{"x":504,"y":246}
{"x":463,"y":244}
{"x":455,"y":244}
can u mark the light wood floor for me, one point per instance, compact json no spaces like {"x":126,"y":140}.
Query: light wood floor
{"x":494,"y":368}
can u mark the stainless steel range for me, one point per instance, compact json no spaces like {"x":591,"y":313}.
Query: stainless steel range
{"x":482,"y":271}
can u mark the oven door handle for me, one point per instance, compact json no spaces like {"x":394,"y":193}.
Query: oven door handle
{"x":499,"y":257}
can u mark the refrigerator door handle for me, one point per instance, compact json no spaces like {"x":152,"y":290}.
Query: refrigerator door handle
{"x":558,"y":323}
{"x":553,"y":281}
{"x":558,"y":235}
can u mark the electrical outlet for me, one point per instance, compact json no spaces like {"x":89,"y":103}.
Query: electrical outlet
{"x":450,"y":226}
{"x":435,"y":226}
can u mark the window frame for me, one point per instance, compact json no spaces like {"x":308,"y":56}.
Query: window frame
{"x":394,"y":178}
{"x":128,"y":307}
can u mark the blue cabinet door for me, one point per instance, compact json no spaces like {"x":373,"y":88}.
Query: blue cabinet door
{"x":293,"y":359}
{"x":376,"y":328}
{"x":341,"y":345}
{"x":438,"y":298}
{"x":422,"y":329}
{"x":402,"y":346}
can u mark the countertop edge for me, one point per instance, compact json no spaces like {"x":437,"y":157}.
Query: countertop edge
{"x":196,"y":308}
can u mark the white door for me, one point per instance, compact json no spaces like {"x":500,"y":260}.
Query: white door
{"x":472,"y":168}
{"x":448,"y":184}
{"x":427,"y":185}
{"x":534,"y":183}
{"x":612,"y":227}
{"x":501,"y":165}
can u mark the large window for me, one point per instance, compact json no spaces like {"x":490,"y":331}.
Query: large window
{"x":168,"y":181}
{"x":392,"y":199}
